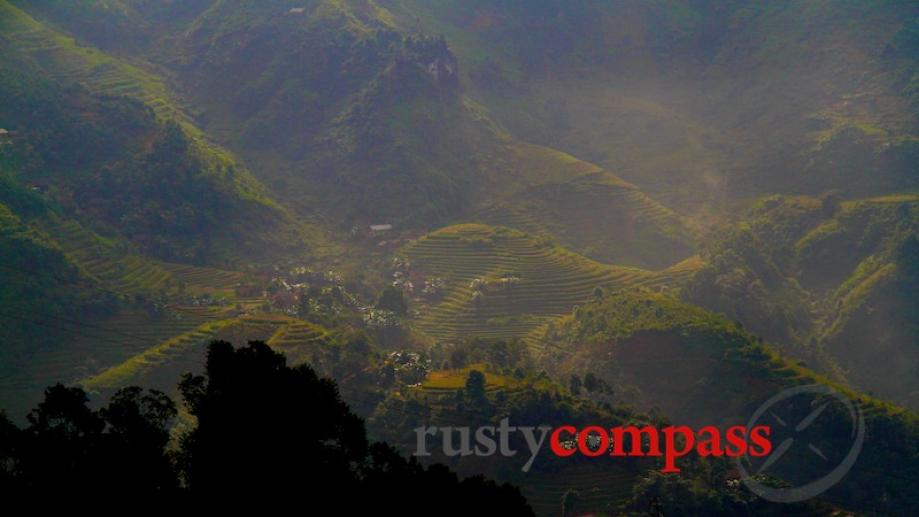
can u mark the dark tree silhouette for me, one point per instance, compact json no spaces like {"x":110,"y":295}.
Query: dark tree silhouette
{"x":570,"y":500}
{"x":70,"y":450}
{"x":475,"y":385}
{"x":8,"y":435}
{"x":136,"y":441}
{"x":265,"y":429}
{"x":392,"y":299}
{"x":266,"y":434}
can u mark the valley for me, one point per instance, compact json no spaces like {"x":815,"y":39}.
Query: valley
{"x":639,"y":213}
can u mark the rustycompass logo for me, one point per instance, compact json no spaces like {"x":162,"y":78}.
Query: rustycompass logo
{"x":798,"y":439}
{"x":793,"y":436}
{"x":593,"y":441}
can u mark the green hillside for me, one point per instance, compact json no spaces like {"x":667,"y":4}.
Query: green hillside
{"x":32,"y":268}
{"x":443,"y":400}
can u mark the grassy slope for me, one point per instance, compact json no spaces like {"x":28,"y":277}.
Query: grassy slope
{"x":109,"y":266}
{"x":183,"y":342}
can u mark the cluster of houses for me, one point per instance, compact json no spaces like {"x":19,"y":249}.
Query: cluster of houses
{"x":303,"y":274}
{"x":414,"y":283}
{"x":6,"y":136}
{"x":290,"y":292}
{"x":504,"y":284}
{"x":411,"y":368}
{"x":378,"y":318}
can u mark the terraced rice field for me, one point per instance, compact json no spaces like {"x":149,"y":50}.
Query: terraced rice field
{"x":204,"y":278}
{"x":600,"y":216}
{"x":67,"y":60}
{"x":94,"y":347}
{"x":448,"y":380}
{"x":115,"y":268}
{"x":298,"y":339}
{"x":550,"y":281}
{"x":289,"y":335}
{"x":135,"y":367}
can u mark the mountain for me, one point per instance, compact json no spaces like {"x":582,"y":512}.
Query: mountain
{"x":349,"y":117}
{"x":694,"y":102}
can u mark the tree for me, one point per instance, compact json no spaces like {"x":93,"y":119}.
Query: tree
{"x":257,"y":415}
{"x":264,"y":430}
{"x":574,"y":383}
{"x":459,"y":357}
{"x":9,"y":435}
{"x":392,"y":299}
{"x":475,"y":385}
{"x":590,"y":382}
{"x":830,"y":203}
{"x":70,"y":450}
{"x":138,"y":436}
{"x":570,"y":501}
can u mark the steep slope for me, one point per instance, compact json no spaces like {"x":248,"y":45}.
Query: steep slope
{"x":102,"y":180}
{"x":346,"y":114}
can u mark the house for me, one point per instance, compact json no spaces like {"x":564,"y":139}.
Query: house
{"x":380,"y":227}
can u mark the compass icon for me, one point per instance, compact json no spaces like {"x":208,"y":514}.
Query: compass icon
{"x":795,"y":436}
